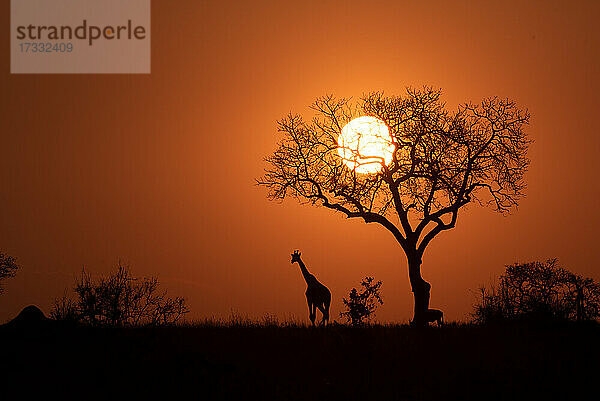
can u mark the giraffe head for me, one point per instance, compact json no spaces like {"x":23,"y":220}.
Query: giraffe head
{"x":296,"y":256}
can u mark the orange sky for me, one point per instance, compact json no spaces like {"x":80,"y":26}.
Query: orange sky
{"x":157,"y":170}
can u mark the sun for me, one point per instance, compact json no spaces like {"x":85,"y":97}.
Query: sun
{"x":365,"y":145}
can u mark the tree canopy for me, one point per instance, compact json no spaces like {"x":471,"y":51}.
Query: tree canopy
{"x":442,"y":160}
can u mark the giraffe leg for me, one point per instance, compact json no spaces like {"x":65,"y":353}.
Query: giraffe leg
{"x":322,"y":309}
{"x":312,"y":313}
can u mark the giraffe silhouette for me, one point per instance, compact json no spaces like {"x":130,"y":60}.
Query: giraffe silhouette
{"x":317,"y":295}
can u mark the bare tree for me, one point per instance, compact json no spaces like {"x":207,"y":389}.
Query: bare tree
{"x":442,"y":161}
{"x":8,"y":268}
{"x":120,"y":300}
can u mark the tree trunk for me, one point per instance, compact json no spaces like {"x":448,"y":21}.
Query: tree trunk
{"x":421,"y":290}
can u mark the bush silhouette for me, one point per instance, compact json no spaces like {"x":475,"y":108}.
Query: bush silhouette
{"x":8,"y":268}
{"x":119,"y":300}
{"x":361,"y":306}
{"x":538,"y":290}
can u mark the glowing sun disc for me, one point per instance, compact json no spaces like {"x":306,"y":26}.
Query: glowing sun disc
{"x":365,"y":145}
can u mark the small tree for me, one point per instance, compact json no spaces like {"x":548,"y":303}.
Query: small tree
{"x":361,"y":306}
{"x":539,"y":290}
{"x":8,"y":268}
{"x":119,"y":300}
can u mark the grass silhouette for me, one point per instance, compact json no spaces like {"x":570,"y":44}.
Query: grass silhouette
{"x":268,"y":359}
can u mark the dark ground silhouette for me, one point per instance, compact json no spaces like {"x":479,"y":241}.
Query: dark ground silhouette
{"x":516,"y":362}
{"x":31,"y":317}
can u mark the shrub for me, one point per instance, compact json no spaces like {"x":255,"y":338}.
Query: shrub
{"x":119,"y":300}
{"x":538,"y":290}
{"x":65,"y":309}
{"x":361,"y":306}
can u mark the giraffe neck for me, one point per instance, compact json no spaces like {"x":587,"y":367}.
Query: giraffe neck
{"x":307,"y":276}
